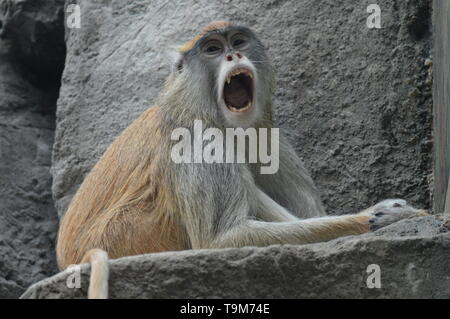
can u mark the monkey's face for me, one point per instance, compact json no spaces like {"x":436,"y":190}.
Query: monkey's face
{"x":235,"y":71}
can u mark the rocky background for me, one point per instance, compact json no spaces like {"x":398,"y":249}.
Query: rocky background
{"x":32,"y":54}
{"x":356,"y":102}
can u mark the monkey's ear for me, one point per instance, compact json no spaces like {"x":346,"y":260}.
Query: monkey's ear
{"x":177,"y":60}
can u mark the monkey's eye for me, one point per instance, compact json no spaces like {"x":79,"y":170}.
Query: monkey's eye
{"x":239,"y":42}
{"x":213,"y":48}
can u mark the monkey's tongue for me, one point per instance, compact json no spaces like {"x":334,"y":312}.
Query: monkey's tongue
{"x":237,"y":93}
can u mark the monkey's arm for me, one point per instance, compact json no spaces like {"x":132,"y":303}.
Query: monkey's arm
{"x":291,"y":230}
{"x":291,"y":186}
{"x":276,"y":225}
{"x":271,"y":211}
{"x":260,"y":233}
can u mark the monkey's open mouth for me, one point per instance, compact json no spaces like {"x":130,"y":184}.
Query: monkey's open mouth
{"x":238,"y":90}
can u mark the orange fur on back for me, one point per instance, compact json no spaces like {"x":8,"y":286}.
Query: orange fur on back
{"x":121,"y":207}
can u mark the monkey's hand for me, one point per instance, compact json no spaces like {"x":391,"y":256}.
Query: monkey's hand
{"x":390,"y":211}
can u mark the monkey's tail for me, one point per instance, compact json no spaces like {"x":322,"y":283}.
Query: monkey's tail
{"x":98,"y":283}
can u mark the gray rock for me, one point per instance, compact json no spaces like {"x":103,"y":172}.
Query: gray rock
{"x":28,"y":219}
{"x":356,"y":101}
{"x":34,"y":32}
{"x":413,"y":256}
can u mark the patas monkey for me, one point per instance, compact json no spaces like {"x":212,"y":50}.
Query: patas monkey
{"x":136,"y":200}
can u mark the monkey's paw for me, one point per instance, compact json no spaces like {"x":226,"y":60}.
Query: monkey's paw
{"x":390,"y":211}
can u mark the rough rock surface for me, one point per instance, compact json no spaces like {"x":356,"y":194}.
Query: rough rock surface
{"x":28,"y":219}
{"x":356,"y":101}
{"x":34,"y":30}
{"x":412,"y":255}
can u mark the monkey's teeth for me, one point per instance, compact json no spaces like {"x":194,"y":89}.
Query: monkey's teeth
{"x":243,"y":109}
{"x":237,"y":72}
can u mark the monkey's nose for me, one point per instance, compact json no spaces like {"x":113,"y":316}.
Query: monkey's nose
{"x":230,"y":57}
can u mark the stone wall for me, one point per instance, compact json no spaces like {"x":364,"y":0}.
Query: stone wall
{"x":32,"y":56}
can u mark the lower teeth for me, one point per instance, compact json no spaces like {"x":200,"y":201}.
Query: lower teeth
{"x":240,"y":109}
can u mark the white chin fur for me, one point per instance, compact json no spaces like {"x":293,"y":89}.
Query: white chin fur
{"x":240,"y":119}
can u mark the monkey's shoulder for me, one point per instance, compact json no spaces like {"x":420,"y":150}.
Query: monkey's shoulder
{"x":135,"y":146}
